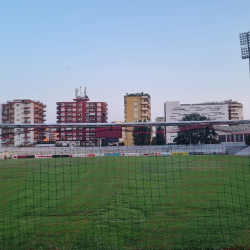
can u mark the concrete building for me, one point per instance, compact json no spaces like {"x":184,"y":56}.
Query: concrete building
{"x":121,"y":140}
{"x":22,"y":111}
{"x":51,"y":135}
{"x":137,"y":107}
{"x":225,"y":110}
{"x":160,"y":119}
{"x":81,"y":110}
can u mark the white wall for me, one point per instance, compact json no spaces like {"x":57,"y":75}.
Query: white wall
{"x":175,"y":112}
{"x":214,"y":111}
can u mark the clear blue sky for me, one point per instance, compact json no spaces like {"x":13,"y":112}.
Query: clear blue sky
{"x":186,"y":51}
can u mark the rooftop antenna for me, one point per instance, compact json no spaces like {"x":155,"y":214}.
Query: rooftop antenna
{"x":85,"y":92}
{"x":244,"y":44}
{"x":76,"y":91}
{"x":80,"y":91}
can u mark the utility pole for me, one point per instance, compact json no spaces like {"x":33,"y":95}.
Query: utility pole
{"x":229,"y":110}
{"x":245,"y":46}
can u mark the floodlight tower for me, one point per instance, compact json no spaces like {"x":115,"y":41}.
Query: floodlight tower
{"x":244,"y":45}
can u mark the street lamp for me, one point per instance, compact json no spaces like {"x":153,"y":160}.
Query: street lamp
{"x":244,"y":45}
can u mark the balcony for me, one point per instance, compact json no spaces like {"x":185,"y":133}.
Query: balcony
{"x":144,"y":115}
{"x":144,"y":108}
{"x":145,"y":103}
{"x":144,"y":97}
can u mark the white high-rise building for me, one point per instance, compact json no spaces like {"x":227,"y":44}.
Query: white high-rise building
{"x":22,"y":111}
{"x":226,"y":110}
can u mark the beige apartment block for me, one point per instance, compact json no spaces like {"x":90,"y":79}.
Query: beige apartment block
{"x":137,"y":107}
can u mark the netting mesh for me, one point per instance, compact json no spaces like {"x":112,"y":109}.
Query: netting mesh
{"x":150,"y":193}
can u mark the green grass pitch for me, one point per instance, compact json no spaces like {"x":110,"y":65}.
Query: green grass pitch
{"x":171,"y":202}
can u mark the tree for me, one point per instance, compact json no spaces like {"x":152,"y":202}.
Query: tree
{"x":196,"y":136}
{"x":159,"y":139}
{"x":142,"y":135}
{"x":247,"y":140}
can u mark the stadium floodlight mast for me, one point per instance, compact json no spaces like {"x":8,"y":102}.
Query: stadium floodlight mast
{"x":244,"y":45}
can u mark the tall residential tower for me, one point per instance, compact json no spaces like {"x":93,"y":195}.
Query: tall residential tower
{"x":81,"y":110}
{"x":22,"y":111}
{"x":137,"y":107}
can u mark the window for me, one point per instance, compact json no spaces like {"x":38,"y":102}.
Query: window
{"x":99,"y":109}
{"x":18,"y":104}
{"x":87,"y":119}
{"x":99,"y":104}
{"x":99,"y":118}
{"x":74,"y":104}
{"x":79,"y":105}
{"x":62,"y":114}
{"x":62,"y":109}
{"x":62,"y":104}
{"x":74,"y":119}
{"x":62,"y":119}
{"x":74,"y":109}
{"x":99,"y":114}
{"x":87,"y":109}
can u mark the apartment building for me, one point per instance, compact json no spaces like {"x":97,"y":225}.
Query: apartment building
{"x":51,"y":135}
{"x":81,"y":110}
{"x":137,"y":107}
{"x":22,"y":111}
{"x":160,"y":119}
{"x":224,"y":110}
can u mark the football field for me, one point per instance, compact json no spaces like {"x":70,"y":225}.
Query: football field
{"x":133,"y":202}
